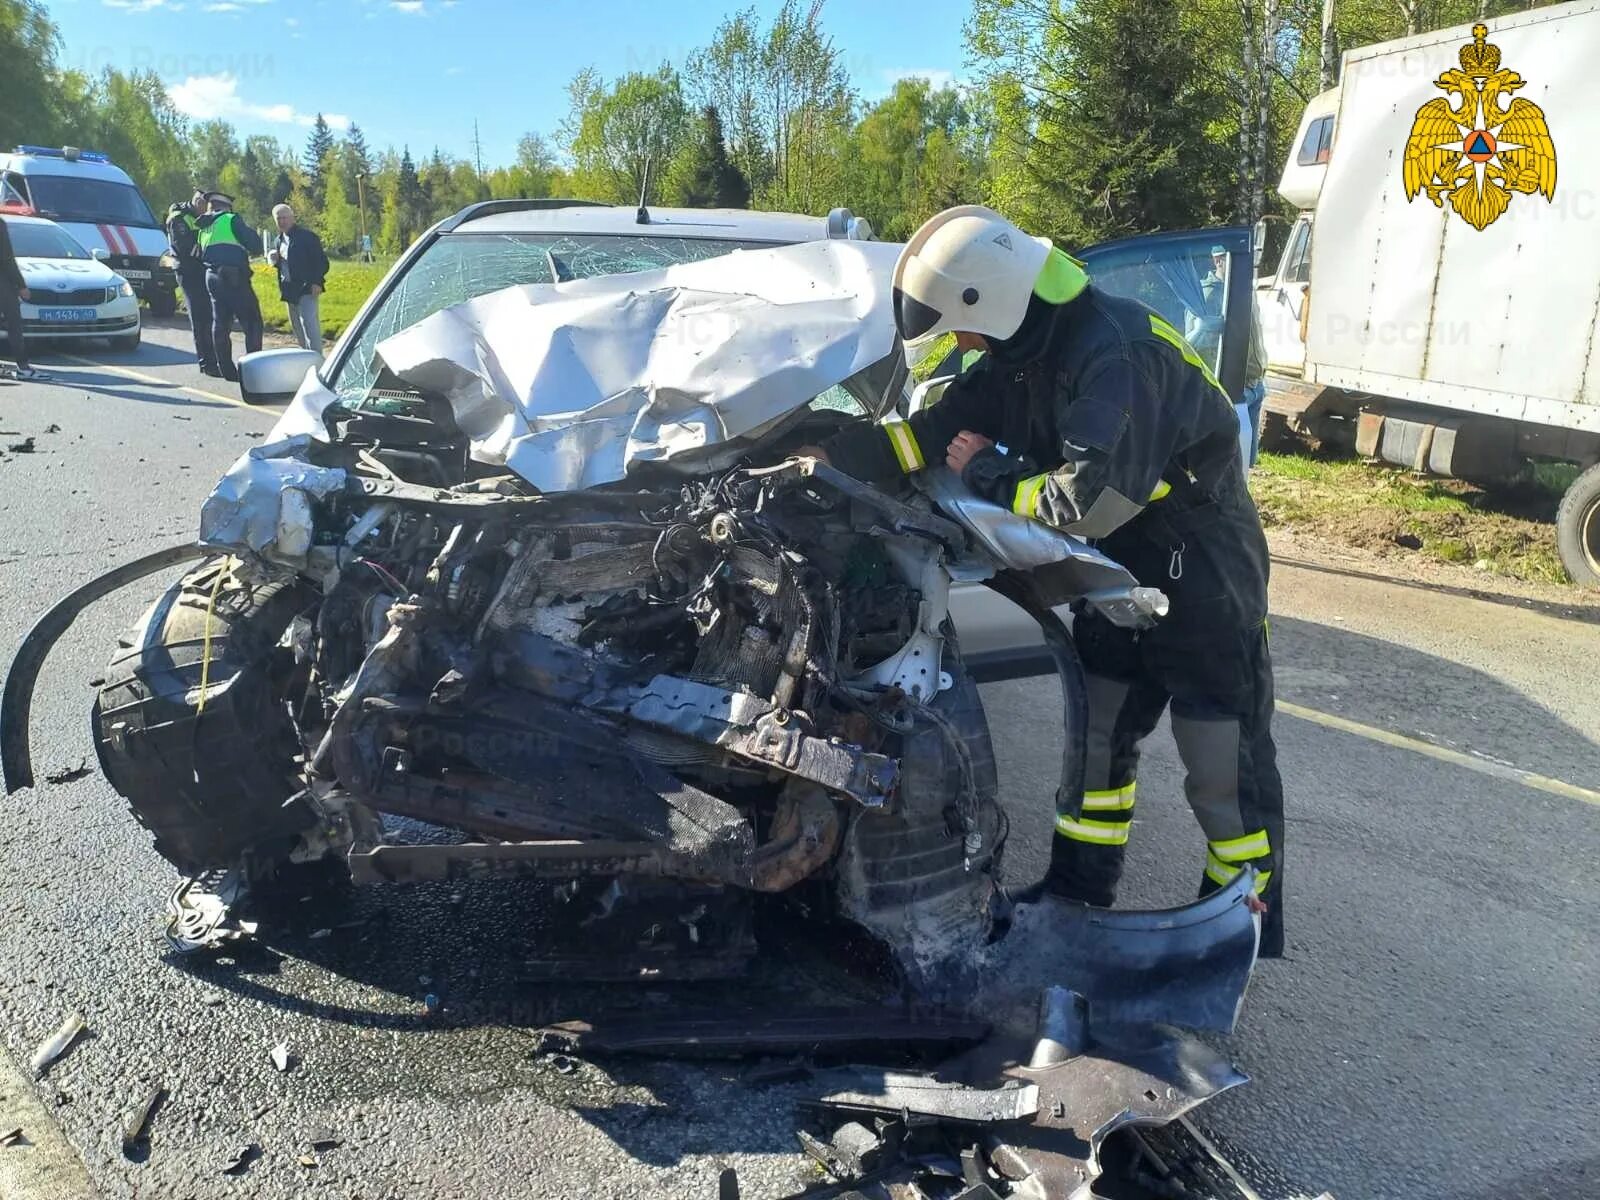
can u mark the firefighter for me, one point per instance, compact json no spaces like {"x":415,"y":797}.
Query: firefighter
{"x":1090,"y":413}
{"x":183,"y":237}
{"x":227,"y":244}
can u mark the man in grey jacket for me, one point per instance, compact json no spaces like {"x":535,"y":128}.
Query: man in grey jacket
{"x":302,"y":272}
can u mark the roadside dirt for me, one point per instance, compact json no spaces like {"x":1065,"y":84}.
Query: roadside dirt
{"x":1381,"y":559}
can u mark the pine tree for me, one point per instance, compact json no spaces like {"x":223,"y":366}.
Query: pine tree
{"x":318,"y":144}
{"x":360,"y":158}
{"x":704,"y":176}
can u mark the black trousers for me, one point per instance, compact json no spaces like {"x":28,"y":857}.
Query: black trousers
{"x":1220,"y":691}
{"x":232,"y":296}
{"x":192,"y":278}
{"x":11,"y":314}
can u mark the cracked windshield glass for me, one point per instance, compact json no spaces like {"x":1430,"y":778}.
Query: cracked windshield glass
{"x":460,"y":267}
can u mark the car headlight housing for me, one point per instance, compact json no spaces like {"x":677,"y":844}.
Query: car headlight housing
{"x":120,"y":288}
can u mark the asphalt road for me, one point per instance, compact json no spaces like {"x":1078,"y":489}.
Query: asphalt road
{"x":1433,"y":1033}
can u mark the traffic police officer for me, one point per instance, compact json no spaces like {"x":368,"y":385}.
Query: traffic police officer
{"x":226,"y":246}
{"x":1090,"y":413}
{"x":183,"y":237}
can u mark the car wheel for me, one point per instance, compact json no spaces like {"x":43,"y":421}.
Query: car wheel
{"x":163,"y":303}
{"x":128,"y":341}
{"x":212,"y":782}
{"x":1578,"y":528}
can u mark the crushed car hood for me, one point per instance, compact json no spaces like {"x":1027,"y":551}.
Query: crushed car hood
{"x":571,"y":385}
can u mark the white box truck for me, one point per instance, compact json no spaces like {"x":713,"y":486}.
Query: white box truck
{"x":1436,"y":300}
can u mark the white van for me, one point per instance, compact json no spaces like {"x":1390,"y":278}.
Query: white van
{"x":97,"y":204}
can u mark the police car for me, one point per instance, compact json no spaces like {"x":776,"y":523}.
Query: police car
{"x":71,"y":294}
{"x":95,"y":202}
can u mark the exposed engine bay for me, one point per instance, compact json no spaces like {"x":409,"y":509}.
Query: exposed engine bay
{"x":733,"y":682}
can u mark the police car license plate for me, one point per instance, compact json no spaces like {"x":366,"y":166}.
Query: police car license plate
{"x":130,"y":273}
{"x":66,"y":314}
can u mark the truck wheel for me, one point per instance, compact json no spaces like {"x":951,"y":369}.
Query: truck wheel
{"x":211,"y":785}
{"x":163,"y":302}
{"x":1578,"y":528}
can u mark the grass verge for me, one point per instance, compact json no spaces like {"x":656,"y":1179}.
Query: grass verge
{"x":349,"y":285}
{"x":1508,"y":532}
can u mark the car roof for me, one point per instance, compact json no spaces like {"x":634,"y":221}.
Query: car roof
{"x":19,"y":219}
{"x":623,"y":220}
{"x":40,"y":164}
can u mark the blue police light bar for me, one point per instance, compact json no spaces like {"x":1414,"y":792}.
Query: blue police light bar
{"x":76,"y":155}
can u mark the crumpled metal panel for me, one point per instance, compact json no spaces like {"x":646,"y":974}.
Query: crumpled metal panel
{"x":571,"y":384}
{"x":246,"y":510}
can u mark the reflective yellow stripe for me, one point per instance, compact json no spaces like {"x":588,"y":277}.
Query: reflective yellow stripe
{"x":1243,"y":849}
{"x":970,"y":357}
{"x":1168,"y":334}
{"x":1161,"y":492}
{"x":1220,"y":872}
{"x":1111,"y":800}
{"x":1026,"y":503}
{"x":1102,"y":833}
{"x":906,"y":450}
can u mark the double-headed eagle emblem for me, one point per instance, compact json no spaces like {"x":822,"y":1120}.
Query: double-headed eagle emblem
{"x":1478,"y":153}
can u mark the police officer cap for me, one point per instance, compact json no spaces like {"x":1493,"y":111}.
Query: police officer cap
{"x":221,"y":198}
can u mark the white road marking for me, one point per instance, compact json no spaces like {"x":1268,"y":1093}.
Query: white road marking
{"x":1484,"y":766}
{"x":141,"y":377}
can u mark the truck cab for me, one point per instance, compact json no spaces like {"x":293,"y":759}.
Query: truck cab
{"x":1281,"y":296}
{"x":100,"y":206}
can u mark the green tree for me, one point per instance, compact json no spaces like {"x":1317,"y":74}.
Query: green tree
{"x":1107,"y":114}
{"x":340,"y":223}
{"x":702,"y":175}
{"x":29,"y":110}
{"x":358,"y":158}
{"x":319,"y":144}
{"x":622,"y":137}
{"x":910,"y":157}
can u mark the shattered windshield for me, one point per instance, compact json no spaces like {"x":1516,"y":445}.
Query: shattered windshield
{"x":462,"y":266}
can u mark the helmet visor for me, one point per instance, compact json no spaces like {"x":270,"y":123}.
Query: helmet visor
{"x":912,"y":317}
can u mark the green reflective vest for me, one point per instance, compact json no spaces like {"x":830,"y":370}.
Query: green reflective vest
{"x":220,"y":232}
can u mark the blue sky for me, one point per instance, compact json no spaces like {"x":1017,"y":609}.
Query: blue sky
{"x":419,"y":72}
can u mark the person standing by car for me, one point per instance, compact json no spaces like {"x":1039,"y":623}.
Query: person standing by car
{"x":183,"y":237}
{"x":13,"y":291}
{"x":1092,"y":414}
{"x":226,"y":246}
{"x":302,"y":272}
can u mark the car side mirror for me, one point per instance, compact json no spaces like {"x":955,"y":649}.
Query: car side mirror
{"x":274,"y":376}
{"x":100,"y":254}
{"x":928,"y":392}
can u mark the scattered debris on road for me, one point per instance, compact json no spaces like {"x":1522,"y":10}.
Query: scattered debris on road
{"x":281,"y":1058}
{"x":57,"y":1044}
{"x":239,"y":1162}
{"x":70,"y":774}
{"x":136,"y":1133}
{"x":25,"y":446}
{"x":13,"y":1137}
{"x":323,"y":1140}
{"x":53,"y":428}
{"x":200,"y":919}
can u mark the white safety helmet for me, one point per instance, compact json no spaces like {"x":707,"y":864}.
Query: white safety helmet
{"x":968,"y":269}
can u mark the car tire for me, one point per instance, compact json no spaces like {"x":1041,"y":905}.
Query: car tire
{"x":214,"y":785}
{"x":1578,"y":528}
{"x":128,"y":341}
{"x":163,"y":303}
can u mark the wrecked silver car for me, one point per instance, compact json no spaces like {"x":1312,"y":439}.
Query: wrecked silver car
{"x":553,"y":596}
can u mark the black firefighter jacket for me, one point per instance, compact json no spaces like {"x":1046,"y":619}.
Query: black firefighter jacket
{"x":1110,"y":427}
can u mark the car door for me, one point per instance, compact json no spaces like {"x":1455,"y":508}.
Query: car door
{"x":1283,"y":300}
{"x":1206,"y":295}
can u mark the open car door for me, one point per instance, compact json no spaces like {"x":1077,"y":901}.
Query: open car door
{"x":1206,"y":296}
